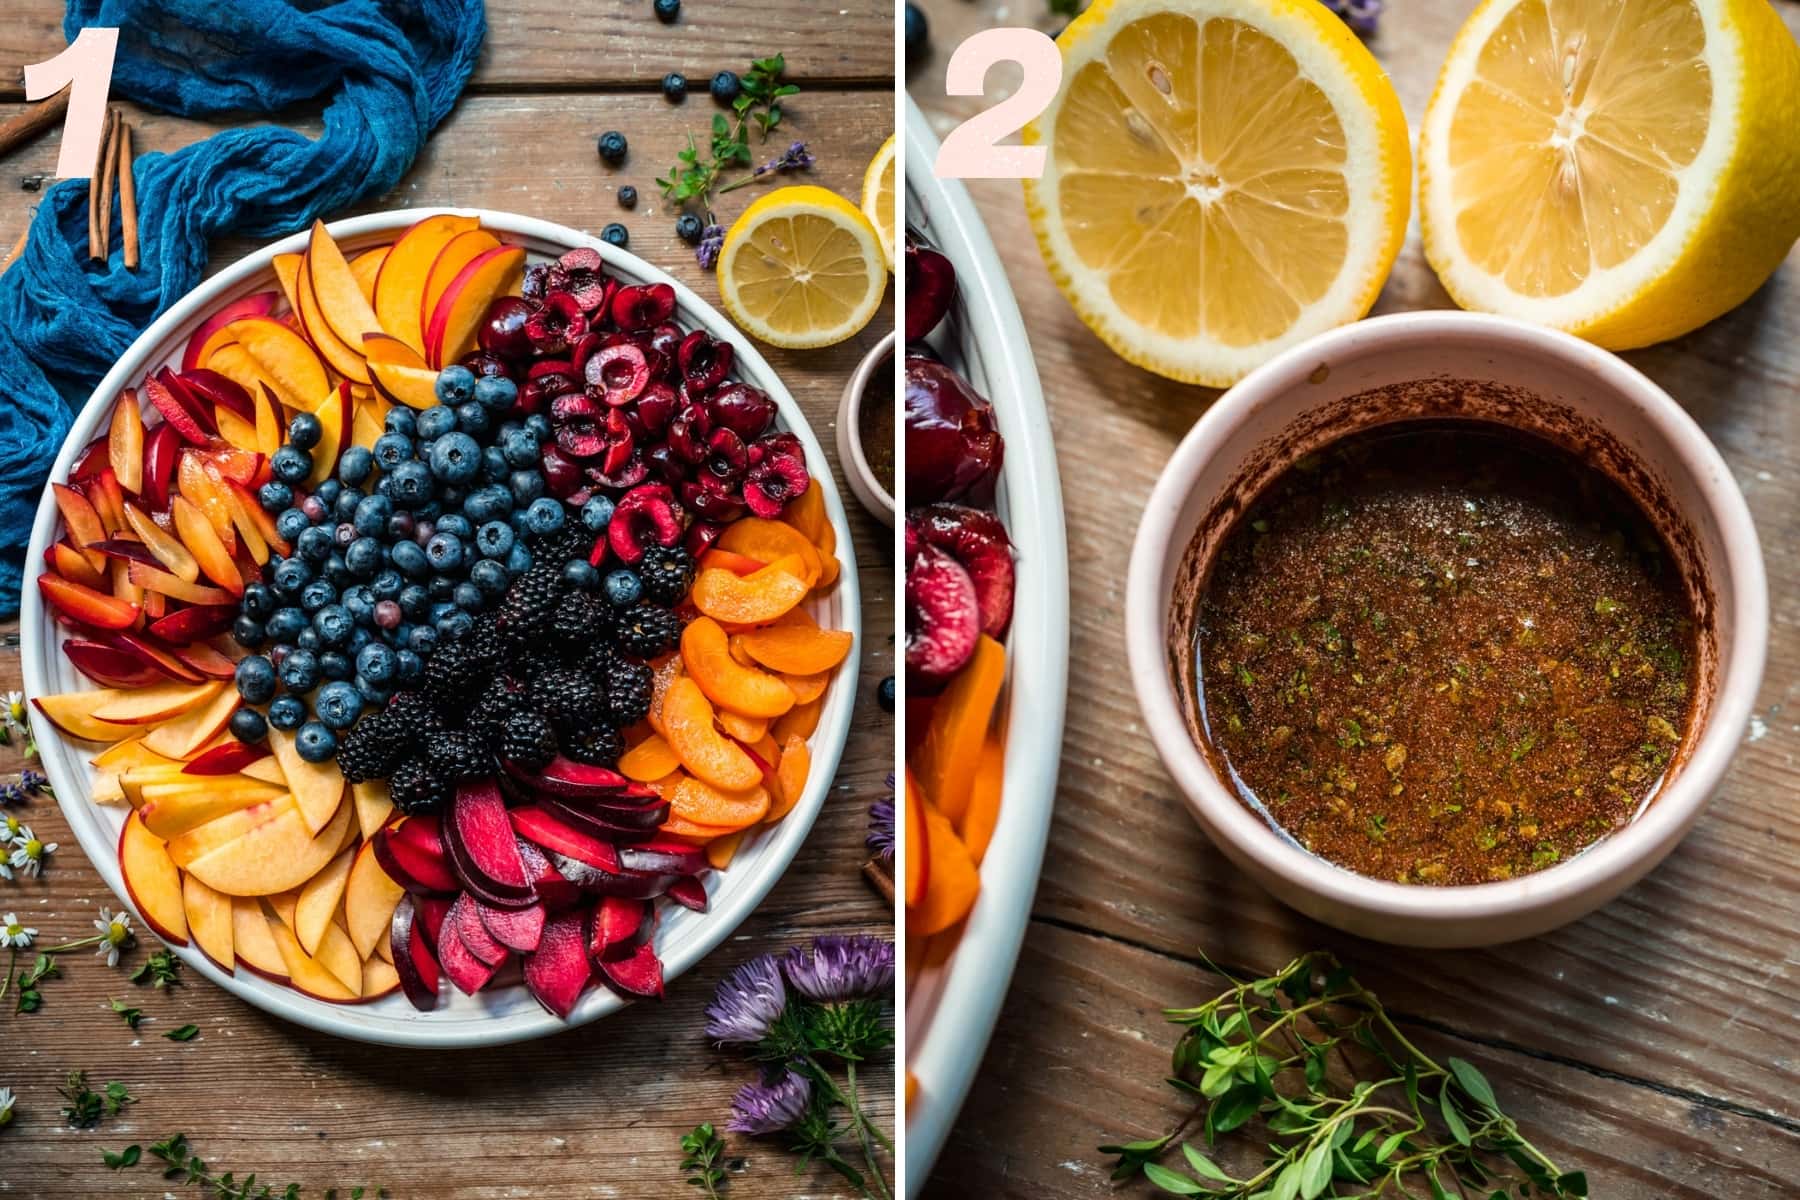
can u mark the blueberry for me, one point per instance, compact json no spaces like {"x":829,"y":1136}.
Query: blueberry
{"x":411,"y":560}
{"x":336,"y":573}
{"x":688,"y":228}
{"x":334,"y":624}
{"x":525,"y":486}
{"x":623,"y":588}
{"x":328,"y":492}
{"x":884,"y":691}
{"x":400,"y":419}
{"x":454,"y":384}
{"x":422,"y":640}
{"x":468,"y":597}
{"x":286,"y":713}
{"x":918,"y":34}
{"x":440,"y":419}
{"x":291,"y":464}
{"x":597,"y":514}
{"x":314,"y":510}
{"x":386,"y":585}
{"x":616,"y":234}
{"x":612,"y":145}
{"x":308,"y":640}
{"x":315,"y":743}
{"x":539,"y":424}
{"x":258,"y":601}
{"x":314,"y":545}
{"x":355,"y":465}
{"x":455,"y":624}
{"x":285,"y":624}
{"x":373,"y":694}
{"x":392,"y":449}
{"x":274,"y":496}
{"x":359,"y":637}
{"x":256,"y":679}
{"x":343,"y":509}
{"x":290,"y":524}
{"x":544,"y":516}
{"x":488,"y":503}
{"x":362,"y":558}
{"x":305,"y":431}
{"x":489,"y":575}
{"x":291,"y":576}
{"x":247,"y":725}
{"x":371,"y":515}
{"x":518,"y":560}
{"x":494,"y":539}
{"x":456,"y":525}
{"x":725,"y":87}
{"x":520,"y":448}
{"x":334,"y":664}
{"x":317,"y":595}
{"x":248,"y":632}
{"x":359,"y":602}
{"x":440,"y":589}
{"x":494,"y":467}
{"x":496,"y":393}
{"x":455,"y":457}
{"x":408,"y":666}
{"x":667,"y":10}
{"x":399,"y":527}
{"x":412,"y":483}
{"x":580,"y":573}
{"x":473,"y":418}
{"x":338,"y":704}
{"x":376,"y":663}
{"x":300,"y":673}
{"x":414,"y":600}
{"x":444,"y":551}
{"x":628,"y":197}
{"x":674,"y":87}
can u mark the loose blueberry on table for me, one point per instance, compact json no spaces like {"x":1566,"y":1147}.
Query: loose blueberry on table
{"x":447,"y":611}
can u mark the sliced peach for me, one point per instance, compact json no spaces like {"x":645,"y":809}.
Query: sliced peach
{"x":319,"y":899}
{"x":687,"y":718}
{"x":340,"y":298}
{"x":287,"y":273}
{"x":167,"y":548}
{"x":457,"y":253}
{"x":696,"y":801}
{"x":188,"y":733}
{"x":720,"y":851}
{"x":125,"y":443}
{"x":450,"y":333}
{"x":799,"y":721}
{"x":342,"y":355}
{"x":153,"y":881}
{"x":251,"y":940}
{"x":766,"y":541}
{"x":952,"y":882}
{"x":171,"y":807}
{"x":947,"y":755}
{"x":308,"y":974}
{"x":266,"y":769}
{"x":379,"y":976}
{"x":797,"y":650}
{"x":366,"y":268}
{"x":292,"y":366}
{"x":738,"y":728}
{"x":369,"y":901}
{"x":151,"y":705}
{"x":706,"y":654}
{"x":373,"y":806}
{"x":73,"y":715}
{"x":414,"y":387}
{"x":202,"y":540}
{"x":273,"y":857}
{"x":205,"y":490}
{"x":284,"y":905}
{"x":209,"y":920}
{"x":400,"y":286}
{"x":796,"y":762}
{"x":79,"y":514}
{"x":106,"y":789}
{"x":318,"y":787}
{"x":127,"y":754}
{"x":649,"y":760}
{"x":234,"y":362}
{"x":752,"y":599}
{"x":204,"y":839}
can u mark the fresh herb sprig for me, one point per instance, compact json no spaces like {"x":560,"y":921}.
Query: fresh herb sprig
{"x":1265,"y":1048}
{"x":127,"y":1013}
{"x":696,"y":177}
{"x":180,"y":1163}
{"x":703,"y":1159}
{"x":160,"y":970}
{"x":85,"y":1106}
{"x":30,"y":999}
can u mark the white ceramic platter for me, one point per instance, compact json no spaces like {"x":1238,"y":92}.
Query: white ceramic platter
{"x":499,"y":1014}
{"x":951,"y":1008}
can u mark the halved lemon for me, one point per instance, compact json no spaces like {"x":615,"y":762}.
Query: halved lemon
{"x":802,"y":268}
{"x":878,"y":197}
{"x":1222,"y":179}
{"x":1626,"y":170}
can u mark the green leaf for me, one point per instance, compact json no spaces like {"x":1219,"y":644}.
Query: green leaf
{"x":1287,"y":1184}
{"x":128,"y":1157}
{"x":186,"y":1033}
{"x":1473,"y":1082}
{"x":1573,"y":1183}
{"x":1232,"y":1109}
{"x":1315,"y":1170}
{"x":1169,"y":1181}
{"x":1437,"y":1189}
{"x":1453,"y":1119}
{"x":1389,"y":1144}
{"x":1202,"y":1165}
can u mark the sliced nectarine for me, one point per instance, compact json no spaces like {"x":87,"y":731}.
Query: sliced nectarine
{"x":334,"y":285}
{"x":292,"y":366}
{"x":152,"y":881}
{"x":287,"y":273}
{"x":366,"y":268}
{"x":400,"y":287}
{"x":948,"y":753}
{"x":450,"y":332}
{"x":334,"y":429}
{"x":235,"y":429}
{"x":209,"y":921}
{"x":799,"y":721}
{"x":766,"y":541}
{"x":696,"y":801}
{"x":202,"y":540}
{"x":649,"y":760}
{"x":751,"y":599}
{"x":341,"y":355}
{"x":277,"y":855}
{"x":796,"y":762}
{"x":796,"y":649}
{"x":706,"y":654}
{"x":952,"y":882}
{"x":687,"y":719}
{"x":458,"y":252}
{"x":234,"y":362}
{"x":165,"y":547}
{"x":414,"y":387}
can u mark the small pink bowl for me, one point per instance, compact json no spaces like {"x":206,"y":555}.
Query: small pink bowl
{"x":1532,"y":378}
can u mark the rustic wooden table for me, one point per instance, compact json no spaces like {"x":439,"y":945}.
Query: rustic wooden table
{"x":596,"y":1111}
{"x":1652,"y":1044}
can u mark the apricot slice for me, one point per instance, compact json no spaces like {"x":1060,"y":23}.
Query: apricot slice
{"x":737,"y":564}
{"x":696,"y":801}
{"x":983,"y":813}
{"x":720,"y":851}
{"x":952,"y":882}
{"x":706,"y":653}
{"x":918,"y":846}
{"x":739,"y":728}
{"x":687,"y":717}
{"x":807,"y":688}
{"x":681,"y":827}
{"x":806,"y":512}
{"x":752,"y":599}
{"x":766,"y":541}
{"x":649,"y":760}
{"x":797,"y":650}
{"x":662,"y":674}
{"x":799,"y":721}
{"x":796,"y":761}
{"x":947,"y":755}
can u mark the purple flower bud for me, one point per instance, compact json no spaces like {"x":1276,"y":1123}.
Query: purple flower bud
{"x":712,"y":240}
{"x":763,"y":1109}
{"x":838,"y":968}
{"x":748,"y":1003}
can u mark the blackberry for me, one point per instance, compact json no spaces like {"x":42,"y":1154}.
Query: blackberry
{"x":413,"y":714}
{"x":599,"y":746}
{"x":626,"y":685}
{"x":667,"y":573}
{"x":372,"y":749}
{"x":526,"y":610}
{"x":581,"y":619}
{"x":567,"y":696}
{"x":454,"y":670}
{"x":527,"y":739}
{"x":416,"y":788}
{"x":458,"y":756}
{"x":647,"y":631}
{"x":560,"y":545}
{"x":498,"y":701}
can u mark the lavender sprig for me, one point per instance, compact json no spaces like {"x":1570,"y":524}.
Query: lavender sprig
{"x":712,"y":240}
{"x":1361,"y":16}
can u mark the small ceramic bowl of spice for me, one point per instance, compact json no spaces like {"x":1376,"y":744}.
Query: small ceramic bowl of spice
{"x":865,"y":431}
{"x":1447,"y":626}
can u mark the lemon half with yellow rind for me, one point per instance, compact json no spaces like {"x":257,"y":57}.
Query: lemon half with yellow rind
{"x":1223,"y":179}
{"x":802,"y":268}
{"x":878,"y":197}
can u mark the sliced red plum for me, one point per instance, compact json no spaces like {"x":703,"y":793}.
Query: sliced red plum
{"x":557,"y":972}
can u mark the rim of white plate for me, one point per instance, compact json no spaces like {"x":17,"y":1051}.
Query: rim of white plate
{"x":507,"y":1014}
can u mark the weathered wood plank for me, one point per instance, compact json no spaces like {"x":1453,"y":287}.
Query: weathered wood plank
{"x":534,"y":44}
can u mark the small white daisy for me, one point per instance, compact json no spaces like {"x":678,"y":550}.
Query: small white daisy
{"x":15,"y":707}
{"x":115,"y":934}
{"x":14,"y":934}
{"x":10,"y":828}
{"x":29,"y":853}
{"x":6,"y":1107}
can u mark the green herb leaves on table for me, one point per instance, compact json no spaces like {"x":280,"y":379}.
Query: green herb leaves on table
{"x":85,"y":1106}
{"x":181,"y":1165}
{"x":703,"y":1159}
{"x":695,"y":176}
{"x":160,"y":970}
{"x":1350,"y":1107}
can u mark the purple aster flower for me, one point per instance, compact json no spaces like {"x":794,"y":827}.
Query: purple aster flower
{"x":881,"y":829}
{"x":712,"y":240}
{"x":838,"y":968}
{"x":748,"y":1003}
{"x":770,"y":1108}
{"x":1360,"y":15}
{"x":795,"y":159}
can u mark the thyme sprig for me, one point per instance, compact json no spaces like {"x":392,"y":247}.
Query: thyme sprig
{"x":181,"y":1164}
{"x":703,"y":1159}
{"x":1265,"y":1048}
{"x":696,"y":177}
{"x":85,"y":1106}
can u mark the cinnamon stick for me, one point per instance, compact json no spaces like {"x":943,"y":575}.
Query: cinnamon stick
{"x":99,"y":233}
{"x":18,"y":249}
{"x":128,"y":214}
{"x":109,"y":165}
{"x":32,"y":121}
{"x":879,"y":879}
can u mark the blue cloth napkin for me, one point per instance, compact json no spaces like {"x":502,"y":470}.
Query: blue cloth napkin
{"x":387,"y":73}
